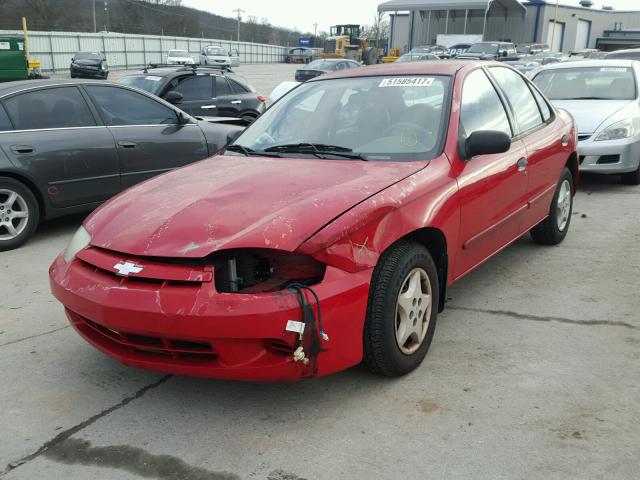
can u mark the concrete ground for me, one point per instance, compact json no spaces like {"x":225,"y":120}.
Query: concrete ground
{"x":534,"y":372}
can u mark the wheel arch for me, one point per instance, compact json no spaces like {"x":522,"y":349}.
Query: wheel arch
{"x":435,"y":241}
{"x":31,"y":185}
{"x":573,"y":166}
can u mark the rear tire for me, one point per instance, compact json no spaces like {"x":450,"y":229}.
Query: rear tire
{"x":553,"y":229}
{"x":631,"y":178}
{"x":19,"y":213}
{"x":404,"y":290}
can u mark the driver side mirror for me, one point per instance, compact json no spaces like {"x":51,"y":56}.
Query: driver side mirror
{"x":173,"y":97}
{"x":486,"y":142}
{"x":183,"y":119}
{"x":233,"y":135}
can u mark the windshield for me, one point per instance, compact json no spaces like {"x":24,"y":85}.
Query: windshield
{"x":88,"y":56}
{"x":483,"y":48}
{"x":216,"y":51}
{"x":178,"y":53}
{"x":588,"y":83}
{"x":376,"y":118}
{"x":321,"y":65}
{"x":150,"y":83}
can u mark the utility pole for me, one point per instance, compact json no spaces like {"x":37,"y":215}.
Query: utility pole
{"x":555,"y":22}
{"x":95,"y":28}
{"x":315,"y":31}
{"x":106,"y":12}
{"x":239,"y":11}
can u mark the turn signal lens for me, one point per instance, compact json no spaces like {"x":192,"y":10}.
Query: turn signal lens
{"x":262,"y":98}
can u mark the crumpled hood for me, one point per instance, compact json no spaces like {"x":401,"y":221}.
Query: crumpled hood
{"x":237,"y":202}
{"x":590,"y":114}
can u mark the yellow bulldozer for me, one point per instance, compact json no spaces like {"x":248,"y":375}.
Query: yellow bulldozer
{"x":345,"y":41}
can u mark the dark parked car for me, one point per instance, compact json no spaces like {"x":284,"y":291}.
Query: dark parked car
{"x":88,"y":65}
{"x":437,"y":50}
{"x":458,"y":49}
{"x":318,"y":67}
{"x":201,"y":91}
{"x":67,"y":146}
{"x":490,"y":51}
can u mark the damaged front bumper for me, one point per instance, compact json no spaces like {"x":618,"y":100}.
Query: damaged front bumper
{"x":175,"y":321}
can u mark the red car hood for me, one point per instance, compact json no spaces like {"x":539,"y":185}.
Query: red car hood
{"x":237,"y":202}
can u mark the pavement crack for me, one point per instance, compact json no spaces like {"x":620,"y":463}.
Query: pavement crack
{"x":18,"y":340}
{"x":537,"y":318}
{"x":64,"y":435}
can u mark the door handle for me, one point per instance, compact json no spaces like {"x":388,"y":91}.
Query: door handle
{"x":124,"y":144}
{"x":21,"y":148}
{"x":236,"y":102}
{"x":522,"y":164}
{"x":206,"y":107}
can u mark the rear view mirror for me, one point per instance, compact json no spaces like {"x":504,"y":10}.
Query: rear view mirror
{"x":173,"y":97}
{"x":504,"y":53}
{"x":183,"y":119}
{"x":486,"y":142}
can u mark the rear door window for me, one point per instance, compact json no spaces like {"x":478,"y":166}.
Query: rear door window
{"x":519,"y":96}
{"x":119,"y":106}
{"x":62,"y":107}
{"x":195,"y":88}
{"x":222,"y":87}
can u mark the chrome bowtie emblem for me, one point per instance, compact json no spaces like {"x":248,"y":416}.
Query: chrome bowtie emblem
{"x":127,"y":268}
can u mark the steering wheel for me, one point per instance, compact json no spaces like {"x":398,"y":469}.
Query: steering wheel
{"x":409,"y":132}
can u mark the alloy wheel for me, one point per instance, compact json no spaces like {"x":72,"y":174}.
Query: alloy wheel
{"x":413,"y":311}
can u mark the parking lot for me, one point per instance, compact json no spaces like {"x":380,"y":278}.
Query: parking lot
{"x":534,"y":372}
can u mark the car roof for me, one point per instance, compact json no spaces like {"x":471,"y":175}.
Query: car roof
{"x":610,"y":62}
{"x":443,"y":67}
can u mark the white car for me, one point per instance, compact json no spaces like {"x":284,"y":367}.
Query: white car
{"x":179,"y":57}
{"x":215,"y":55}
{"x":603,"y":97}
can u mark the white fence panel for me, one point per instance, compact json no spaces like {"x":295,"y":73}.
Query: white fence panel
{"x":55,"y":49}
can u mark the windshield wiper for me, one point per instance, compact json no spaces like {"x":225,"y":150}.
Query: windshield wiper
{"x":316,"y":149}
{"x":587,"y":98}
{"x":249,"y":152}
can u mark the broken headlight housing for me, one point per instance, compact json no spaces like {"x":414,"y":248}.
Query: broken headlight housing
{"x":255,"y":270}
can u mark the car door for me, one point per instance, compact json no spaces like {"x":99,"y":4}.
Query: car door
{"x":148,"y":134}
{"x":229,"y":104}
{"x":197,"y":95}
{"x":59,"y":141}
{"x":491,"y":187}
{"x":543,"y":144}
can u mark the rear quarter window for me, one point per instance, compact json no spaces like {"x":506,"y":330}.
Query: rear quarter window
{"x":5,"y":123}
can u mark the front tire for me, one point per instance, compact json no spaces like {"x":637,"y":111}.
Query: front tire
{"x":19,"y":214}
{"x":402,"y":310}
{"x":553,"y":229}
{"x":631,"y":178}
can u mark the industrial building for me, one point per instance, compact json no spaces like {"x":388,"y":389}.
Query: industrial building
{"x":565,"y":27}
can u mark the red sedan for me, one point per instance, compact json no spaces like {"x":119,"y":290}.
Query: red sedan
{"x":328,"y":232}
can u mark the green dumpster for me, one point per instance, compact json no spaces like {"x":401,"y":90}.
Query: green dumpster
{"x":13,"y":62}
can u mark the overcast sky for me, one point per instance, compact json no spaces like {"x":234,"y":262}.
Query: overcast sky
{"x":302,"y":14}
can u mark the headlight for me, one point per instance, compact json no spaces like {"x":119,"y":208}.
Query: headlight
{"x":617,"y":131}
{"x":79,"y":241}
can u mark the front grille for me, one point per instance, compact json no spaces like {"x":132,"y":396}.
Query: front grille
{"x":608,"y":159}
{"x":163,"y":273}
{"x":583,"y":137}
{"x":153,"y":346}
{"x":279,"y":346}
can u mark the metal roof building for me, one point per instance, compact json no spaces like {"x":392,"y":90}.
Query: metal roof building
{"x":420,"y":22}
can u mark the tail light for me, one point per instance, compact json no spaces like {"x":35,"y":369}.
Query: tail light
{"x":262,"y":98}
{"x":255,"y":270}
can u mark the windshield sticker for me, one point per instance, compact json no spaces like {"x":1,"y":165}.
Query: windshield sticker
{"x":5,"y":46}
{"x":614,"y":69}
{"x":153,"y":79}
{"x":407,"y":82}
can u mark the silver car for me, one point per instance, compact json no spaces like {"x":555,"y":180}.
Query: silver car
{"x":215,"y":55}
{"x":602,"y":96}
